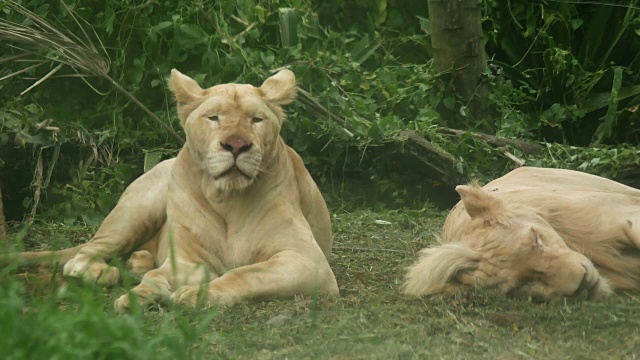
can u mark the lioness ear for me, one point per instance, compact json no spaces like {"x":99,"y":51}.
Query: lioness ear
{"x":280,"y":89}
{"x":184,"y":88}
{"x":477,"y":202}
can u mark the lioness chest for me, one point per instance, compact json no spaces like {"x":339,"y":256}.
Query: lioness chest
{"x":247,"y":240}
{"x":237,"y":230}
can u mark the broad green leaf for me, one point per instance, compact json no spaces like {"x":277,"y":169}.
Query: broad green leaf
{"x":260,"y":12}
{"x":381,"y":12}
{"x":600,"y":100}
{"x":109,"y":17}
{"x":42,"y":138}
{"x":289,"y":20}
{"x":192,"y":31}
{"x":363,"y":49}
{"x":162,"y":25}
{"x":267,"y":57}
{"x":598,"y":29}
{"x":151,"y":159}
{"x":425,"y":25}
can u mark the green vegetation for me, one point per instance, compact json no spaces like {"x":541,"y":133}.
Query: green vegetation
{"x":564,"y":74}
{"x":371,"y":320}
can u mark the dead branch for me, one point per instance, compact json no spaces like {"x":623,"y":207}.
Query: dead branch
{"x":515,"y":159}
{"x":527,"y":147}
{"x":307,"y":99}
{"x":441,"y":165}
{"x":355,"y":248}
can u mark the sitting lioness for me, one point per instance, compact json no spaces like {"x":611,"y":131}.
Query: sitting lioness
{"x":235,"y":216}
{"x":541,"y":233}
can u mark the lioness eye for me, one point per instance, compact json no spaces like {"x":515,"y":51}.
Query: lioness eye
{"x":213,"y":118}
{"x":256,"y":119}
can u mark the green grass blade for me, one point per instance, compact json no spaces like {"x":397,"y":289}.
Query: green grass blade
{"x":605,"y":129}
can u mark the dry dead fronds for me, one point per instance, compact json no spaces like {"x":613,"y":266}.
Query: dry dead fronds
{"x":40,"y":42}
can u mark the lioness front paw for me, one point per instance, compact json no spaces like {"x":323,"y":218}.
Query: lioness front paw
{"x":91,"y":270}
{"x":192,"y":296}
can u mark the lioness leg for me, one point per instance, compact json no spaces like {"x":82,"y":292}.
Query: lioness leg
{"x":632,"y":228}
{"x":284,"y":275}
{"x":137,"y":217}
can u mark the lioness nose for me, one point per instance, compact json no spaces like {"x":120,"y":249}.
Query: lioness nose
{"x":236,"y":145}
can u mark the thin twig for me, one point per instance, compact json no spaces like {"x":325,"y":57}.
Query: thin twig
{"x":137,"y":102}
{"x":236,"y":36}
{"x":22,"y":71}
{"x":526,"y":146}
{"x":519,"y":162}
{"x":632,"y":297}
{"x":355,"y":248}
{"x":309,"y":100}
{"x":16,"y":57}
{"x":44,"y":78}
{"x":38,"y":188}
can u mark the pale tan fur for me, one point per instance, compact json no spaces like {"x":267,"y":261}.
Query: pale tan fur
{"x":444,"y":262}
{"x":544,"y":233}
{"x":235,"y":216}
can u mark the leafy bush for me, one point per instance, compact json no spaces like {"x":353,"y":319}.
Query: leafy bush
{"x":583,"y":61}
{"x":75,"y":322}
{"x":367,"y":62}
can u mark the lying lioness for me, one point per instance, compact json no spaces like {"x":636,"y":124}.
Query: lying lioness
{"x":543,"y":233}
{"x":235,"y":215}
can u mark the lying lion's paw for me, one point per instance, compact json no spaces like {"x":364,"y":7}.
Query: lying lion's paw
{"x":90,"y":270}
{"x":187,"y":295}
{"x":600,"y":290}
{"x":126,"y":301}
{"x":192,"y":296}
{"x":144,"y":294}
{"x":140,"y":262}
{"x":122,"y":304}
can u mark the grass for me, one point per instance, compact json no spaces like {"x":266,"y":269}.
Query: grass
{"x":45,"y":317}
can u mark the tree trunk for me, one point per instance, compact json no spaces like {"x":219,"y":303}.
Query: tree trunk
{"x":458,"y":47}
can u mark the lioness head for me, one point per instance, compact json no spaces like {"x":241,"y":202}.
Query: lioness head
{"x":508,"y":247}
{"x":232,"y":129}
